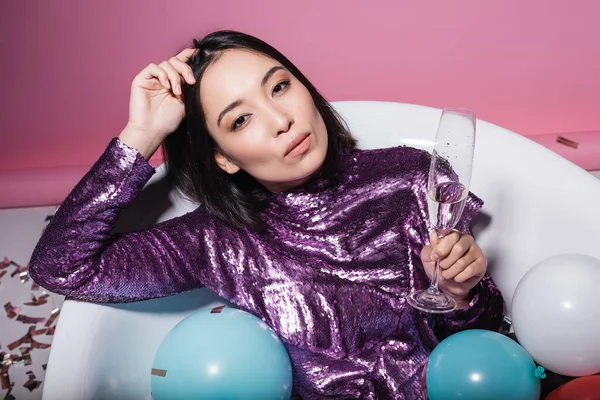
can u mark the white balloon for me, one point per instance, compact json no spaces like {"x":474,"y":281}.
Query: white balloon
{"x":556,"y":314}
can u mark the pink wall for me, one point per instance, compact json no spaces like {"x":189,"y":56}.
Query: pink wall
{"x":530,"y":66}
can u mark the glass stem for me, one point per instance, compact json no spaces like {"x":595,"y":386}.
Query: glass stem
{"x":433,"y":287}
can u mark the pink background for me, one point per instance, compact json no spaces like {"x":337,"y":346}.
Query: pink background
{"x":529,"y":66}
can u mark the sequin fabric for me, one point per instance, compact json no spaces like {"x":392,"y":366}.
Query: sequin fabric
{"x":329,"y":276}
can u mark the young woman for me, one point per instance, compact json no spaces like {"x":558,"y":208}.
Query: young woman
{"x":295,"y":225}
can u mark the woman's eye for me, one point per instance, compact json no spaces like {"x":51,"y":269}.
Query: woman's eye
{"x":239,"y":122}
{"x":280,"y":87}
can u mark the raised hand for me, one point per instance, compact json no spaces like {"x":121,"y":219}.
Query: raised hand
{"x":156,"y":104}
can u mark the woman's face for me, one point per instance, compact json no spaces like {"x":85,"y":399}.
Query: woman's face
{"x":263,"y":120}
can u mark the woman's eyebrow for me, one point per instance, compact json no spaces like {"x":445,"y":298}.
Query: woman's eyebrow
{"x":237,"y":103}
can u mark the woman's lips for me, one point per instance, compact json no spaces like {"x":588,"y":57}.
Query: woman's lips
{"x":299,"y":145}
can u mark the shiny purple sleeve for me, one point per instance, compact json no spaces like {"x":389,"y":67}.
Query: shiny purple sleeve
{"x":79,"y":257}
{"x":485,"y":310}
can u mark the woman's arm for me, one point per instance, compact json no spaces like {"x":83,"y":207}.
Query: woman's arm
{"x":77,"y":255}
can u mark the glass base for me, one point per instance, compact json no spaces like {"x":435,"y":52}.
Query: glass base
{"x":431,"y":301}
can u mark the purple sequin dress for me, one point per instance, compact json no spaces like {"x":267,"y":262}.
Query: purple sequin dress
{"x":329,"y":276}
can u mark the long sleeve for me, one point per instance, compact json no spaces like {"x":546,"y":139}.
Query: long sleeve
{"x":77,"y":256}
{"x":485,"y":310}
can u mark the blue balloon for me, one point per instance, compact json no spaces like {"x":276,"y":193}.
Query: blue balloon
{"x":223,"y":353}
{"x":481,"y":365}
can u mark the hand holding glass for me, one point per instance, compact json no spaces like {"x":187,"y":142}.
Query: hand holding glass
{"x":447,"y":188}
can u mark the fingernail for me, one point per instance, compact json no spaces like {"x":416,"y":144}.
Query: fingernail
{"x":434,"y":256}
{"x":191,"y":78}
{"x":177,"y":89}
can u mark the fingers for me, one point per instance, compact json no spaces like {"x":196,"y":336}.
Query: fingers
{"x":451,"y":250}
{"x":174,"y":77}
{"x":426,"y":260}
{"x":185,"y":54}
{"x":153,"y":71}
{"x":176,"y":69}
{"x":183,"y":69}
{"x":443,"y":247}
{"x":169,"y":74}
{"x":426,"y":253}
{"x":461,"y":264}
{"x":434,"y":240}
{"x":461,"y":259}
{"x":474,"y":270}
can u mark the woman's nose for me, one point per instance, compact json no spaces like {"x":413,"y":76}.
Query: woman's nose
{"x":282,"y":122}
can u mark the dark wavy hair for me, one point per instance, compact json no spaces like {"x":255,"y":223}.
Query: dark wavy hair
{"x":237,"y":199}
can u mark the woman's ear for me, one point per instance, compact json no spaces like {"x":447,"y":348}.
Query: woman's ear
{"x":226,"y":164}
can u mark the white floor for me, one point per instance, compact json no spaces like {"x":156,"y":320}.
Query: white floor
{"x":20,"y":229}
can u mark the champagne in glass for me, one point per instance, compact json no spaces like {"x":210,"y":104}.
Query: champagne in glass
{"x":446,"y":202}
{"x":447,"y":191}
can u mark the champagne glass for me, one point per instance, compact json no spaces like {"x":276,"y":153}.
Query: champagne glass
{"x":447,"y":191}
